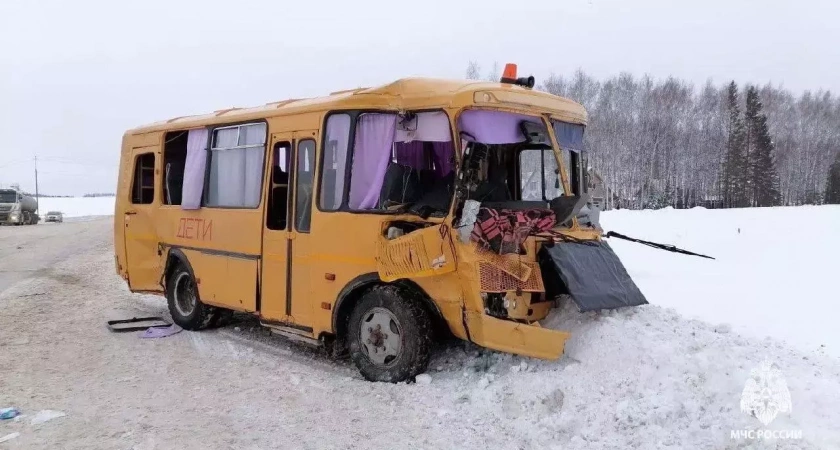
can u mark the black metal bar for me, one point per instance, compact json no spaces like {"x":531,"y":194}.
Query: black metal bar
{"x":666,"y":247}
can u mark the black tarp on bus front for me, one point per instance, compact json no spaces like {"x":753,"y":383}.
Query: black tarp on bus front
{"x":593,"y":275}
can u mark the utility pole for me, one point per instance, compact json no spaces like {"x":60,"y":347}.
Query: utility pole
{"x":37,"y":199}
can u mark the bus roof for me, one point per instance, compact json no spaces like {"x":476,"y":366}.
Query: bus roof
{"x":406,"y":93}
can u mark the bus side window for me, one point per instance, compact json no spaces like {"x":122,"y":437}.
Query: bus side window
{"x":334,"y":162}
{"x":143,"y":185}
{"x":278,"y":197}
{"x":174,"y":161}
{"x":303,"y":185}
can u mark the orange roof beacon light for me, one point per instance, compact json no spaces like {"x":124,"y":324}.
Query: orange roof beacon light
{"x":509,"y":77}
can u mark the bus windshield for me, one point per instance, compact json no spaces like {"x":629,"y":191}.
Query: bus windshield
{"x":509,"y":158}
{"x":570,"y":139}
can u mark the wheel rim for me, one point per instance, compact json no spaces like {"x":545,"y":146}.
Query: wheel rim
{"x":381,"y":336}
{"x":185,"y":299}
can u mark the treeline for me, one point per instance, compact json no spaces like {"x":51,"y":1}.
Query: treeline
{"x":666,"y":142}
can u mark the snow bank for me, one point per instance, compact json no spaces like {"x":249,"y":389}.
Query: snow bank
{"x":642,"y":378}
{"x":651,"y":378}
{"x":78,"y":206}
{"x":775,"y":272}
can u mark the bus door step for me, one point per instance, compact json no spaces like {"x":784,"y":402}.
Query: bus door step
{"x":293,"y":334}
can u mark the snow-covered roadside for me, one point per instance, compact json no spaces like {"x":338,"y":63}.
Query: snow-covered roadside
{"x":77,"y":207}
{"x":775,"y":272}
{"x":644,"y":378}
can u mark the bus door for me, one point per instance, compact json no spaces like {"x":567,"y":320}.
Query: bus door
{"x":285,"y":287}
{"x":141,"y":241}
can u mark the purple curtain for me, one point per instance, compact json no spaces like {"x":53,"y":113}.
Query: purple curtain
{"x":194,"y":169}
{"x":443,"y":154}
{"x":493,"y":127}
{"x":371,"y":155}
{"x":411,"y":154}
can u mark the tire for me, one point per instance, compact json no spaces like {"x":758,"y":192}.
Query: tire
{"x":377,"y":358}
{"x":185,"y":306}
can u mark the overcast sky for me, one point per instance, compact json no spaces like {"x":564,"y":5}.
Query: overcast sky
{"x":74,"y":75}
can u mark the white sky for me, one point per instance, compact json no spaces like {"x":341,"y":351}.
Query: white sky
{"x":74,"y":75}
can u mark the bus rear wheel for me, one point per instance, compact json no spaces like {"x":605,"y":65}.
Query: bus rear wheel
{"x":389,"y":336}
{"x":185,"y":306}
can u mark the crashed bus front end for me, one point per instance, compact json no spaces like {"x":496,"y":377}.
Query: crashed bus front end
{"x":522,"y":233}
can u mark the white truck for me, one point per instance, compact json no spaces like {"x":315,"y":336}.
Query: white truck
{"x":17,"y":208}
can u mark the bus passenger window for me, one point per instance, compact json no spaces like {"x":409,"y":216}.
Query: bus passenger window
{"x":303,"y":185}
{"x":174,"y":160}
{"x":236,"y":166}
{"x":278,"y":196}
{"x":334,"y":161}
{"x":402,"y":163}
{"x":143,"y":186}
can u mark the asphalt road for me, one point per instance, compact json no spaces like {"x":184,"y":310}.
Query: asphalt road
{"x":27,"y":250}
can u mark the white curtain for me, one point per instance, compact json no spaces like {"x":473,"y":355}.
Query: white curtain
{"x":194,"y":169}
{"x":253,"y":137}
{"x":236,"y":166}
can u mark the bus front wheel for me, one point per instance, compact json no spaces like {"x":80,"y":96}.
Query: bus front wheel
{"x":389,"y":336}
{"x":185,"y":307}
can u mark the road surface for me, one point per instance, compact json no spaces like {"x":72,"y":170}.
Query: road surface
{"x":237,"y":387}
{"x":639,"y":378}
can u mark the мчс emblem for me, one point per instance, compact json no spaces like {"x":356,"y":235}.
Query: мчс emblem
{"x":766,"y":393}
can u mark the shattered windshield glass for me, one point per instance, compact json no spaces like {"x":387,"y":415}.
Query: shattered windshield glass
{"x":532,"y":163}
{"x":510,"y":156}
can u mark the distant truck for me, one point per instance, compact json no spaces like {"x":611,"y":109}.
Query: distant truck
{"x":17,"y":208}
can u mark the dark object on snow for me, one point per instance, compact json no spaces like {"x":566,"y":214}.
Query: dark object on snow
{"x":9,"y":413}
{"x":121,"y":326}
{"x":593,"y":275}
{"x":669,"y":248}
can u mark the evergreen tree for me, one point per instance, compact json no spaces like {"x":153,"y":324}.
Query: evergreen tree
{"x":735,"y":164}
{"x":832,"y":185}
{"x":762,"y":186}
{"x":473,"y":71}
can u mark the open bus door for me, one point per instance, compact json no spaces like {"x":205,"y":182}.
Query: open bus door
{"x":285,"y":283}
{"x":141,"y":243}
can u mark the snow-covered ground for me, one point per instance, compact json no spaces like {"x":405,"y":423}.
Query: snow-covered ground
{"x":77,"y":207}
{"x":770,"y":263}
{"x":776,"y":270}
{"x":642,"y":378}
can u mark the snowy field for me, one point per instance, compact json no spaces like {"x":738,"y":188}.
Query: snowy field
{"x":77,"y":207}
{"x":669,"y":375}
{"x":775,"y":273}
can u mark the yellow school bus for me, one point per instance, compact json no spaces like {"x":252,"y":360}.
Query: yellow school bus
{"x":370,"y":221}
